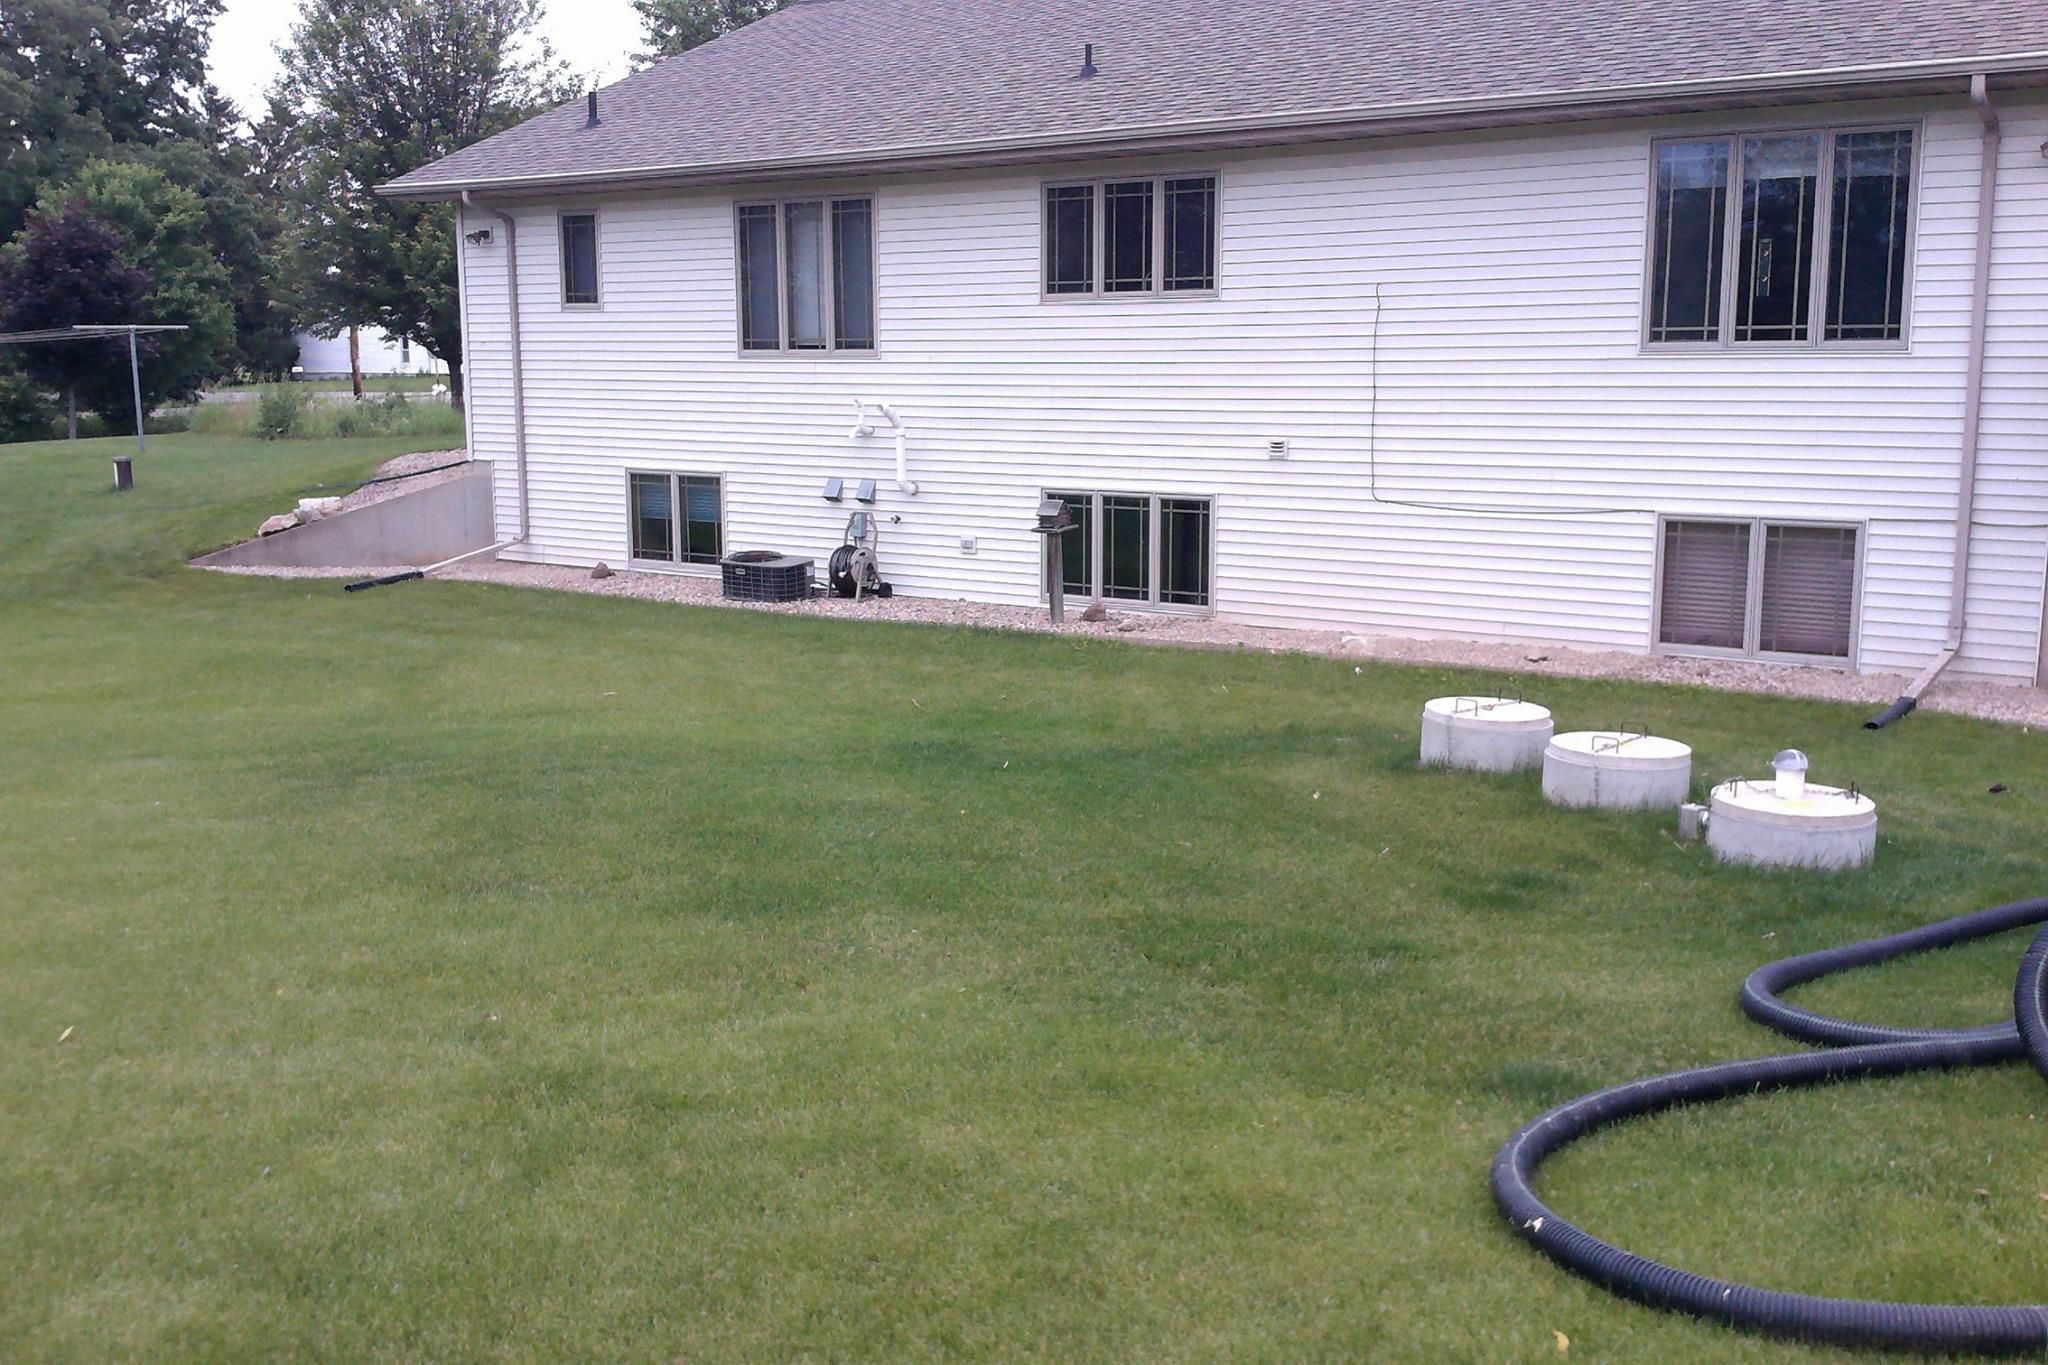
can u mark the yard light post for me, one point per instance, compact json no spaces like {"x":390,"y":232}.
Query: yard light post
{"x":1055,"y":519}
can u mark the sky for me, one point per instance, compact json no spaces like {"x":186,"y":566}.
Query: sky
{"x":594,"y":36}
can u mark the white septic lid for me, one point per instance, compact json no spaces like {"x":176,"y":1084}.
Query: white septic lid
{"x":1487,"y":710}
{"x":1819,"y":808}
{"x":1622,"y":745}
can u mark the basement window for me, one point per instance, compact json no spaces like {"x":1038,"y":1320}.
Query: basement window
{"x":676,"y":518}
{"x":1138,"y":548}
{"x":1151,"y":235}
{"x":579,"y":260}
{"x":1786,"y":239}
{"x":1782,"y":590}
{"x":807,"y":275}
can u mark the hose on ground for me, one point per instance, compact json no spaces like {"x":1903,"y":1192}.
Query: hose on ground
{"x":1898,"y":710}
{"x":1856,"y":1051}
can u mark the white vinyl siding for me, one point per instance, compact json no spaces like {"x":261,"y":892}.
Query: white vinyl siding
{"x":1450,"y":321}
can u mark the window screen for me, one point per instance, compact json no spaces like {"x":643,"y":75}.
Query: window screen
{"x":1690,"y":219}
{"x":1705,"y":592}
{"x":1077,"y":547}
{"x":1070,"y":239}
{"x":1127,"y":547}
{"x":579,"y":258}
{"x":1127,"y":236}
{"x":853,"y":274}
{"x":1809,"y":591}
{"x":653,"y":518}
{"x":1780,"y":199}
{"x":760,"y":267}
{"x":1191,"y":233}
{"x":1184,"y":551}
{"x":1867,"y":236}
{"x":804,"y":253}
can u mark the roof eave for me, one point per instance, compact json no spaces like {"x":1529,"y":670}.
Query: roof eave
{"x":1883,"y":81}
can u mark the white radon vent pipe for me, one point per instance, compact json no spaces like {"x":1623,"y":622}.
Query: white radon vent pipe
{"x":1788,"y":772}
{"x":864,"y":427}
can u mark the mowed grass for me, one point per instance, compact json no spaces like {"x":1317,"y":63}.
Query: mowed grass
{"x":458,"y":972}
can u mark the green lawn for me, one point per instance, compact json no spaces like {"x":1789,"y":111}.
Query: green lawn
{"x":455,"y":972}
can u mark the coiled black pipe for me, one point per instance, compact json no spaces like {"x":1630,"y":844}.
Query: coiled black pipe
{"x":1858,"y":1050}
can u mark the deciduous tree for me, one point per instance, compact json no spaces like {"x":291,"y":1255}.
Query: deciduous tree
{"x":379,"y":88}
{"x":674,"y":26}
{"x":67,"y":268}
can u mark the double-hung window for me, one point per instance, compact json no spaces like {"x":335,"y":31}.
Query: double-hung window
{"x":807,"y":275}
{"x":1788,"y":239}
{"x":1137,"y":547}
{"x":579,"y":260}
{"x":675,"y":518}
{"x":1775,"y":589}
{"x":1151,"y":235}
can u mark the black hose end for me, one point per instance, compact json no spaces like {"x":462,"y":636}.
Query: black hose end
{"x":369,"y":583}
{"x":1898,"y":710}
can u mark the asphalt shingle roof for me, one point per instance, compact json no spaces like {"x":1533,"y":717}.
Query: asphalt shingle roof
{"x":845,"y":82}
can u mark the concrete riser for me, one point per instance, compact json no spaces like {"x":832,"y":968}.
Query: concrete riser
{"x":1486,"y":748}
{"x":1732,"y":839}
{"x":1566,"y":783}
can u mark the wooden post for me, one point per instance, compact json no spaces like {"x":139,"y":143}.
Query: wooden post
{"x":355,"y":360}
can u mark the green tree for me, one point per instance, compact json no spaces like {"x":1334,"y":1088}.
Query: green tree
{"x":80,"y":78}
{"x":379,"y":88}
{"x":163,"y":229}
{"x":674,"y":26}
{"x":65,"y":269}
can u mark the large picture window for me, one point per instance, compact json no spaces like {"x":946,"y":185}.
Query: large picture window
{"x":1787,"y":239}
{"x":676,"y":518}
{"x":1153,"y":235}
{"x":1137,"y":547}
{"x":1779,"y":589}
{"x":807,"y":275}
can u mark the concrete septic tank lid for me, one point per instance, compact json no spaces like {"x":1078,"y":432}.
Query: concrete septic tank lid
{"x":1505,"y":712}
{"x":1618,"y":749}
{"x":1758,"y":803}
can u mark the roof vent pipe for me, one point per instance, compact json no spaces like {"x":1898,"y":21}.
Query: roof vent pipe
{"x":592,"y":120}
{"x":1087,"y":59}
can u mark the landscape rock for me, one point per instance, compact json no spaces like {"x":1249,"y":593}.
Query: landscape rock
{"x":313,"y":509}
{"x":1095,"y":612}
{"x":603,"y":570}
{"x":283,"y":521}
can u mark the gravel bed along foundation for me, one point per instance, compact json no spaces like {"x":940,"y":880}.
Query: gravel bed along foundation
{"x":1989,"y":701}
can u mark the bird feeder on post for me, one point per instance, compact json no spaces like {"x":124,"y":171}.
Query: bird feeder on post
{"x":1055,"y":519}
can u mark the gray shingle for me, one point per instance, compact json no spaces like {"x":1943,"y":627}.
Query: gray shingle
{"x":832,"y":82}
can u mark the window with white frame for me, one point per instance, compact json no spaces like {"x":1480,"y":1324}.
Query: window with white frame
{"x":1151,"y":235}
{"x":1137,"y":547}
{"x":1759,"y":587}
{"x":579,"y":260}
{"x":676,"y":518}
{"x":1786,"y":238}
{"x":807,"y":275}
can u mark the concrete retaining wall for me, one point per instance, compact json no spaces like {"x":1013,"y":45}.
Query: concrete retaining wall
{"x":423,"y":527}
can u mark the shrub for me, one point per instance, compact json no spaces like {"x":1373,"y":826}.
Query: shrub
{"x":280,"y":412}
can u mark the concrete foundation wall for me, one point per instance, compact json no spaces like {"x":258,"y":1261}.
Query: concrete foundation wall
{"x":414,"y":529}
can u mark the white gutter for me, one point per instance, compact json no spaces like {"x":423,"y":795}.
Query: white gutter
{"x":1241,"y":129}
{"x":864,"y":427}
{"x":1973,"y":407}
{"x":518,"y":362}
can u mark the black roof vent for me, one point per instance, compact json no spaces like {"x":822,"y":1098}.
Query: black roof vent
{"x":1087,"y":59}
{"x":592,"y":121}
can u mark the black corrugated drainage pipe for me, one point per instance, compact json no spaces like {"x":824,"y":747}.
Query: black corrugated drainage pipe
{"x":1854,"y":1051}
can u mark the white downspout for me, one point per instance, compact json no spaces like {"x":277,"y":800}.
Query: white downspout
{"x":518,"y":363}
{"x":864,"y":427}
{"x":1973,"y":407}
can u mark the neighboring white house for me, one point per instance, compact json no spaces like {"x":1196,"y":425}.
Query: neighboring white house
{"x":327,"y":357}
{"x":1642,"y":325}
